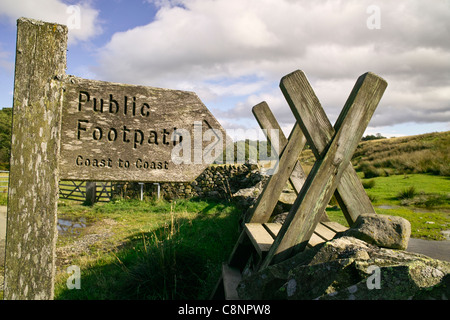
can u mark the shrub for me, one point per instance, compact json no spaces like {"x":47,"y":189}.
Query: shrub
{"x":369,"y":170}
{"x":369,"y":184}
{"x":407,"y":193}
{"x":428,"y":200}
{"x":436,"y":200}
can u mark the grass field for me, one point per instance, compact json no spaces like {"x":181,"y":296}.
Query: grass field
{"x":422,"y":199}
{"x":3,"y":188}
{"x":156,"y":250}
{"x":426,"y":153}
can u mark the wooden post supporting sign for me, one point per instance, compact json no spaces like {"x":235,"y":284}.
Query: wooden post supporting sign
{"x":34,"y":173}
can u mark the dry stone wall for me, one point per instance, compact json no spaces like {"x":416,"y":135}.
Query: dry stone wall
{"x":216,"y":181}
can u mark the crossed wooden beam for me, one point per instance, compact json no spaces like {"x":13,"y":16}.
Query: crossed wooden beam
{"x":332,"y":173}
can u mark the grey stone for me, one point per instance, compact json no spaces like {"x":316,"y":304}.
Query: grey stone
{"x":381,"y":230}
{"x":349,"y":268}
{"x":247,"y":196}
{"x":280,"y":218}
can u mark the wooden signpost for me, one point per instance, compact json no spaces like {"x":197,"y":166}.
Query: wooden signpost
{"x":68,"y":128}
{"x":119,"y":132}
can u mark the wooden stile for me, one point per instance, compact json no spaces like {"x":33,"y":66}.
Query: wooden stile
{"x":319,"y":132}
{"x":326,"y":173}
{"x":332,"y":172}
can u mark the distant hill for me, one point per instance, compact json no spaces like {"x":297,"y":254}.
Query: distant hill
{"x":425,"y":153}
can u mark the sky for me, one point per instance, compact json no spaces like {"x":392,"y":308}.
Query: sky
{"x":233,"y":53}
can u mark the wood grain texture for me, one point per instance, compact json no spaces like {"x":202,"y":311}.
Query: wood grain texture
{"x":260,"y":237}
{"x":231,"y":278}
{"x":119,"y":132}
{"x":306,"y":107}
{"x":33,"y":179}
{"x":268,"y":198}
{"x":267,"y":122}
{"x":326,"y":173}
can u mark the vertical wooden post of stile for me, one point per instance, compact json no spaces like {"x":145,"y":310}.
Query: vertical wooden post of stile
{"x":34,"y":173}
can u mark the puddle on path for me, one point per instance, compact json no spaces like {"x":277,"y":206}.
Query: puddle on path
{"x":74,"y":227}
{"x":386,"y":207}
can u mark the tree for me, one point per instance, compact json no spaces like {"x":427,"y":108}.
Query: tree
{"x":372,"y":137}
{"x":5,"y":137}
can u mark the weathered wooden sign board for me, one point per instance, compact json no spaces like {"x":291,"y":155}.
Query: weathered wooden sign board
{"x":118,"y":132}
{"x":71,"y":128}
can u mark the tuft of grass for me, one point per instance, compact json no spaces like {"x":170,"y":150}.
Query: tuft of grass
{"x":368,"y":184}
{"x":368,"y":170}
{"x":407,"y":193}
{"x":166,"y":269}
{"x":428,"y":201}
{"x":373,"y":198}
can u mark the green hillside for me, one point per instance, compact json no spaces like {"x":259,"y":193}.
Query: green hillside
{"x":425,"y":153}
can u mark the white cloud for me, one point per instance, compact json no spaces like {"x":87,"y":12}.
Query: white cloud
{"x":81,"y":18}
{"x":5,"y":61}
{"x":242,"y":48}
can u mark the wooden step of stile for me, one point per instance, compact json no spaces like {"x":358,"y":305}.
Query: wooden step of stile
{"x":334,"y":226}
{"x":314,"y":240}
{"x":273,"y":229}
{"x":260,"y":237}
{"x":263,"y":235}
{"x":231,"y":278}
{"x":324,"y":232}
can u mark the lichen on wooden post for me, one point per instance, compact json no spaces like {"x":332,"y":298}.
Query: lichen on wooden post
{"x":33,"y":185}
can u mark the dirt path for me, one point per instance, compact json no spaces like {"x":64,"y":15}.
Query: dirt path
{"x":2,"y":235}
{"x":2,"y":222}
{"x":434,"y":249}
{"x":96,"y":233}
